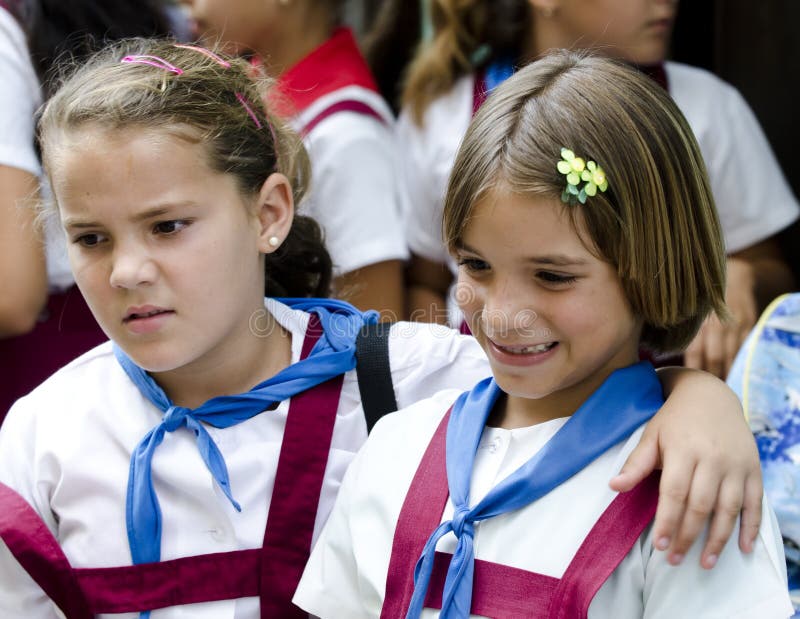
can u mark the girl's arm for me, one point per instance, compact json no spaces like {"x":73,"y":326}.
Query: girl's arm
{"x":710,"y":465}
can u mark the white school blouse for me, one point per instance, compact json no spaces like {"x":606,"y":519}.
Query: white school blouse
{"x":66,"y":448}
{"x":20,"y":97}
{"x":354,"y":192}
{"x":752,"y":196}
{"x":345,"y":577}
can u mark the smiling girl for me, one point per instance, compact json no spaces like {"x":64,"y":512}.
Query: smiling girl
{"x":581,"y":218}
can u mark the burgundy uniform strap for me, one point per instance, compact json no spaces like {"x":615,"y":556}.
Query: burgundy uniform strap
{"x":37,"y":550}
{"x":295,"y":497}
{"x":421,"y":514}
{"x":271,"y":572}
{"x":501,"y":590}
{"x":346,"y":105}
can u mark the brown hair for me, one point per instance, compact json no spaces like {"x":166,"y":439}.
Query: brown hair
{"x":462,"y":29}
{"x":205,"y":97}
{"x":656,"y":223}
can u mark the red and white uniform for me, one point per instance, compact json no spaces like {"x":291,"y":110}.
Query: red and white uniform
{"x":331,"y":98}
{"x":66,"y":449}
{"x":362,"y":565}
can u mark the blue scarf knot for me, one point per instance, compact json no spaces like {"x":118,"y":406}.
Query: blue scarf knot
{"x":628,"y":398}
{"x":175,"y":417}
{"x":332,"y":355}
{"x":460,"y":523}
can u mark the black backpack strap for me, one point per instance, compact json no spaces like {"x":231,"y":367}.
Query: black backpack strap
{"x":374,"y":372}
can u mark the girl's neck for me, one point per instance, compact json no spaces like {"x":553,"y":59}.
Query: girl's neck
{"x":303,"y":33}
{"x":514,"y":411}
{"x":249,"y":358}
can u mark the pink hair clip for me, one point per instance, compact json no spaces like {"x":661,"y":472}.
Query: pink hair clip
{"x":153,"y":61}
{"x":248,"y":109}
{"x":205,"y":52}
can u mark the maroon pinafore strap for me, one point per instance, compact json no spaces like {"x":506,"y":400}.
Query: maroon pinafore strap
{"x":271,"y":572}
{"x":502,"y":591}
{"x":346,"y":105}
{"x":295,"y":497}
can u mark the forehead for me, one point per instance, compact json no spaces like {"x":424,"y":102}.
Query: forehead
{"x":95,"y":165}
{"x":508,"y":218}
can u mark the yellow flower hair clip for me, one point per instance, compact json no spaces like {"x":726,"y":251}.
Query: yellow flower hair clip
{"x":577,"y":170}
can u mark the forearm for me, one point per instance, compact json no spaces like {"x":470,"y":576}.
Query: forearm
{"x":23,"y":271}
{"x":428,"y":283}
{"x":376,"y":286}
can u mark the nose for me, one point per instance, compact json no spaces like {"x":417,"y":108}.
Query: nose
{"x":505,"y":311}
{"x":132,"y":267}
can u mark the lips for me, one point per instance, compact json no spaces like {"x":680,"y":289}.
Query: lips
{"x":146,"y":311}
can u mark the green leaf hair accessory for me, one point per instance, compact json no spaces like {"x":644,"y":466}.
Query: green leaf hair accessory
{"x":577,"y":170}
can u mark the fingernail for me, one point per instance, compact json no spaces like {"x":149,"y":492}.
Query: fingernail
{"x":675,"y":558}
{"x":662,"y":543}
{"x":711,"y":561}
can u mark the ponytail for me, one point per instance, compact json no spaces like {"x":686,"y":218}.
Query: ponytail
{"x":468,"y":35}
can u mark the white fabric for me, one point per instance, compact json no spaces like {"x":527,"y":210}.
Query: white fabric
{"x":346,"y":574}
{"x":66,"y":448}
{"x":752,"y":196}
{"x":354,"y":183}
{"x":20,"y":97}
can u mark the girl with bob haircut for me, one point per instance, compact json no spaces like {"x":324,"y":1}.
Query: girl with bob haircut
{"x":581,"y":218}
{"x":195,"y":457}
{"x":476,"y":44}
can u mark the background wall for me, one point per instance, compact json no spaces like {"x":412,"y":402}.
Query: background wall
{"x":756,"y":47}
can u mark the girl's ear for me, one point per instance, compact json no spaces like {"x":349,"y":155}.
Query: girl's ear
{"x":275,"y":212}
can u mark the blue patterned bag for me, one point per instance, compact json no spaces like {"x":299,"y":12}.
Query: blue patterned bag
{"x":766,"y":376}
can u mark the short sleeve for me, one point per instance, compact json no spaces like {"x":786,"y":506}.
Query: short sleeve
{"x":741,"y":586}
{"x":427,"y":153}
{"x":20,"y":96}
{"x":20,"y":596}
{"x":330,"y":587}
{"x":354,"y":191}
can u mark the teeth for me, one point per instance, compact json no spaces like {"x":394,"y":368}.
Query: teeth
{"x":526,"y":350}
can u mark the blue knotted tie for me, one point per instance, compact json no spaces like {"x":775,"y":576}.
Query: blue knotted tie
{"x":627,"y":399}
{"x":332,"y":355}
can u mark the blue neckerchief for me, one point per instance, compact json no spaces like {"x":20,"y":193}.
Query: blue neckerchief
{"x":497,"y":73}
{"x":627,"y":399}
{"x":332,"y":355}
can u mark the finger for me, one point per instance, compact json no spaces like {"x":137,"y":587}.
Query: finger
{"x":751,"y":511}
{"x":726,"y":514}
{"x":642,"y":461}
{"x":702,"y":498}
{"x":673,"y":493}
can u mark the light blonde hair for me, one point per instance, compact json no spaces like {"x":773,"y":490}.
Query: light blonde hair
{"x":656,"y":223}
{"x":207,"y":100}
{"x":460,"y":29}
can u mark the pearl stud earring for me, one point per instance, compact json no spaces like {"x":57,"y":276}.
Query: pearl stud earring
{"x":274,"y":241}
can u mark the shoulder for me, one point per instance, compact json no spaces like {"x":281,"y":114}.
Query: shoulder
{"x":426,"y":358}
{"x":370,"y":118}
{"x":443,"y":124}
{"x":699,"y":93}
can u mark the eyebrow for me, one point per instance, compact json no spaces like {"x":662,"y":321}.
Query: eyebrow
{"x":156,"y":211}
{"x":561,"y":260}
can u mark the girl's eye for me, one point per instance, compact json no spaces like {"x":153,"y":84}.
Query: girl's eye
{"x":89,"y":240}
{"x":555,"y":278}
{"x":170,"y":227}
{"x":473,"y":264}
